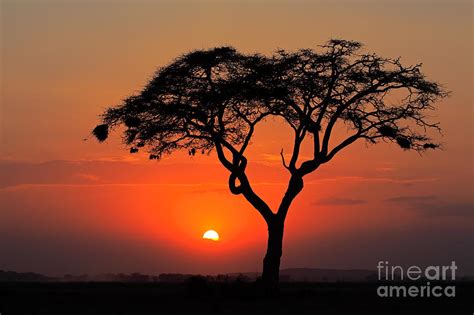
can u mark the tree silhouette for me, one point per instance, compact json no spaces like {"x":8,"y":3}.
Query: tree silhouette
{"x":213,"y":99}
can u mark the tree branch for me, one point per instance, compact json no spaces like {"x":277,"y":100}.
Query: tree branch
{"x":341,"y":146}
{"x":283,"y":160}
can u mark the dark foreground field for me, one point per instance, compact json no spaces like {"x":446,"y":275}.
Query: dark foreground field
{"x":220,"y":298}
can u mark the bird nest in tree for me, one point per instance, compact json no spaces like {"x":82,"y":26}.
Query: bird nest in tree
{"x":404,"y":143}
{"x":101,"y":132}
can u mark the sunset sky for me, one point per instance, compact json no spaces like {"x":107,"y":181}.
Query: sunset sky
{"x":74,"y":206}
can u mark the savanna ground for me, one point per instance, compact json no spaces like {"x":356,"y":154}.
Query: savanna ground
{"x":199,"y":297}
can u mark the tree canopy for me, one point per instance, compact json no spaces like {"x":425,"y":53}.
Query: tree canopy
{"x":217,"y":96}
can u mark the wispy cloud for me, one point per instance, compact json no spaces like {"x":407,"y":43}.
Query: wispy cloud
{"x":87,"y":176}
{"x":82,"y":173}
{"x":393,"y":180}
{"x":277,"y":157}
{"x":337,"y":201}
{"x":411,"y":199}
{"x":93,"y":185}
{"x":385,"y":169}
{"x":432,"y":206}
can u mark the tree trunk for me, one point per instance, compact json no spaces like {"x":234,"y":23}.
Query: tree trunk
{"x":271,"y":262}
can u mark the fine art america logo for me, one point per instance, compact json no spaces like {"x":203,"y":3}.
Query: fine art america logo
{"x":419,"y":288}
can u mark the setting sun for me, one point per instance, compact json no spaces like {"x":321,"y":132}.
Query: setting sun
{"x":211,"y":235}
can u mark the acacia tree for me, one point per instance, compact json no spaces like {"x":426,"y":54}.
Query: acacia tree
{"x":213,"y":99}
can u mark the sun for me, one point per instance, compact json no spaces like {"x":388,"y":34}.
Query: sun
{"x":211,"y":235}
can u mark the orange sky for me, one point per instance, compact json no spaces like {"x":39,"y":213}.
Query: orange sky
{"x":69,"y":205}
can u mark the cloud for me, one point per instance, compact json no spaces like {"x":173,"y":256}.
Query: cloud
{"x":95,"y":172}
{"x":88,"y":177}
{"x":465,"y":210}
{"x":389,"y":180}
{"x":93,"y":185}
{"x":21,"y":174}
{"x":265,"y":157}
{"x":432,"y":206}
{"x":410,"y":199}
{"x":336,"y":201}
{"x":385,"y":169}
